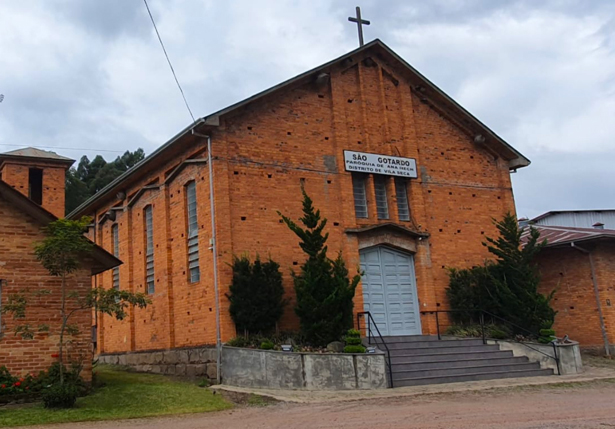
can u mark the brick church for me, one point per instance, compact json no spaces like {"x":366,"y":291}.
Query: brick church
{"x":408,"y":179}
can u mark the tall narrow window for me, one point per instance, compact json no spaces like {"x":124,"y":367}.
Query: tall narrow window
{"x":360,"y":196}
{"x":401,"y":192}
{"x":116,"y":252}
{"x":382,"y":206}
{"x":149,"y":250}
{"x":193,"y":234}
{"x":35,"y":185}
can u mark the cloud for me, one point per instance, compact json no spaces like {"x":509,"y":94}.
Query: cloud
{"x":92,"y":76}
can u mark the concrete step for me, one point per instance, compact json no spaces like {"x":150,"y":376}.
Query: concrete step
{"x":413,"y":338}
{"x":420,"y":381}
{"x":464,"y":363}
{"x":408,"y":350}
{"x":447,"y":357}
{"x":409,"y":338}
{"x":433,"y":344}
{"x":482,"y":369}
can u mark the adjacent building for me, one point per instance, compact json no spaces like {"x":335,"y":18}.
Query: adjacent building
{"x":579,"y":265}
{"x":408,"y":179}
{"x":601,"y":219}
{"x":32,"y":196}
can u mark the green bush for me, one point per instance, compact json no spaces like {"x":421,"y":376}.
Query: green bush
{"x":353,"y":342}
{"x":256,"y":295}
{"x":354,"y":349}
{"x":267,"y":345}
{"x":60,"y":395}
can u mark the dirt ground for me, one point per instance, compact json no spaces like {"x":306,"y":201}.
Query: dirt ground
{"x":589,"y":405}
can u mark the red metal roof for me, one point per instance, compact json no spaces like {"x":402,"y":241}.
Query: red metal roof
{"x":560,"y":235}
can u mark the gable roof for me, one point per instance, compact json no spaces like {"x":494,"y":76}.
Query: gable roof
{"x":564,"y":235}
{"x":428,"y":90}
{"x":103,"y":260}
{"x":32,"y":152}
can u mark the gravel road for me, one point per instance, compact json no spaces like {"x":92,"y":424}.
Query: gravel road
{"x":591,"y":406}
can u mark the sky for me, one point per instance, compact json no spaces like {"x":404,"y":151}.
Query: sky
{"x":89,"y":76}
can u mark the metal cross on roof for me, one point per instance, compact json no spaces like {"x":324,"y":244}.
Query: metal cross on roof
{"x":360,"y":23}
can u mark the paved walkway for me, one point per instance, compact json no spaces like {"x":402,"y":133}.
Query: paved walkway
{"x":311,"y":397}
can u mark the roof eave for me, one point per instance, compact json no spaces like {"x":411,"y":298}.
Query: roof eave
{"x":102,"y":260}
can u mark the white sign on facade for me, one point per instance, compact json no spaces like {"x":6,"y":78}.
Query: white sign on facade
{"x":362,"y":162}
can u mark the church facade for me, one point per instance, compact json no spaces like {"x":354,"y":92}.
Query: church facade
{"x":408,"y":180}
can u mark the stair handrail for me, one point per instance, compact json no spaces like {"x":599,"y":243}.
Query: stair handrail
{"x":371,"y":320}
{"x":482,"y":313}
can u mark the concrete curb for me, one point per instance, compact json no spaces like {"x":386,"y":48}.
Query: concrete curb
{"x":315,"y":397}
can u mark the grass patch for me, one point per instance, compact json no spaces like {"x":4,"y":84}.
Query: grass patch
{"x":122,"y":395}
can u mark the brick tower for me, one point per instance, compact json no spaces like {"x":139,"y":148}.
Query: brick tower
{"x":38,"y":174}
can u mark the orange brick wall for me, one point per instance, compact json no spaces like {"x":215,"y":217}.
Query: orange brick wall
{"x":22,"y":272}
{"x":15,"y":173}
{"x":262,"y":153}
{"x":568,"y":272}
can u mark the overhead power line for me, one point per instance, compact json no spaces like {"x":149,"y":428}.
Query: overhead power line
{"x":169,"y":61}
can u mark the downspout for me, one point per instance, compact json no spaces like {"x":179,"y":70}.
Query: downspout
{"x":215,"y":254}
{"x":597,"y":295}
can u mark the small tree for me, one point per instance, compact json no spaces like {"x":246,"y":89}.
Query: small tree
{"x":324,"y":291}
{"x":256,"y":295}
{"x":516,"y":277}
{"x":62,"y":253}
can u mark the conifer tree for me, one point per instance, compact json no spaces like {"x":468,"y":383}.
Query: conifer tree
{"x":324,"y":291}
{"x":506,"y":287}
{"x":515,"y":276}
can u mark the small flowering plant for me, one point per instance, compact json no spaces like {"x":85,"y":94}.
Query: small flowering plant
{"x":11,"y":385}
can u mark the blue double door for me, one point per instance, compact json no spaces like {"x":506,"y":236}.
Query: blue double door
{"x":389,"y":290}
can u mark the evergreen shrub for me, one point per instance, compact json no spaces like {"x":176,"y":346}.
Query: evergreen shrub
{"x":256,"y":295}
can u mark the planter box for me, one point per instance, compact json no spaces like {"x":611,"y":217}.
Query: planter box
{"x":309,"y":371}
{"x":569,"y":354}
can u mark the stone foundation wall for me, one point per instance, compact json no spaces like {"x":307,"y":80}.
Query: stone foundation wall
{"x":194,"y":362}
{"x":309,"y":371}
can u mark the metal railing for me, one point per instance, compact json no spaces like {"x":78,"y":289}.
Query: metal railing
{"x":481,"y":318}
{"x":370,"y":322}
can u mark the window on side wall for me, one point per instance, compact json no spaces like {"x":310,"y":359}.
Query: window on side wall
{"x":149,"y":250}
{"x":192,"y":233}
{"x":401,"y":192}
{"x":115,"y":233}
{"x":360,"y":196}
{"x":382,"y":205}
